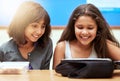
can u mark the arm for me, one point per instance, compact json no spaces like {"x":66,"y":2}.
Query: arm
{"x":114,"y":51}
{"x":59,"y":53}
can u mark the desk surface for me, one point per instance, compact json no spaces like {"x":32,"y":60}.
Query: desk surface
{"x":50,"y":75}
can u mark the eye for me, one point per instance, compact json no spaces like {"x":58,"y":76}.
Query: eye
{"x":90,"y":27}
{"x":79,"y":27}
{"x":43,"y":26}
{"x":34,"y":26}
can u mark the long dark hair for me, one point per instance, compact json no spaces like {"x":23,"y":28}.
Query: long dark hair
{"x":103,"y":30}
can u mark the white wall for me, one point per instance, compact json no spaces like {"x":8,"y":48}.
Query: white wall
{"x":116,"y":33}
{"x":3,"y":36}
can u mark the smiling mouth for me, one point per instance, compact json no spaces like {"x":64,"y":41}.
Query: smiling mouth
{"x":35,"y":36}
{"x":85,"y":38}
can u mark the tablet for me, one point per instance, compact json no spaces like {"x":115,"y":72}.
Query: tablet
{"x":87,"y":59}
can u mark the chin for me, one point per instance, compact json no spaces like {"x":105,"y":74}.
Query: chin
{"x":85,"y":43}
{"x":33,"y":40}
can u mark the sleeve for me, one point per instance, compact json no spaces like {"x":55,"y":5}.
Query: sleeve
{"x":48,"y":55}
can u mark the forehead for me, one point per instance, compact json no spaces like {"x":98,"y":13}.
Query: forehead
{"x":41,"y":21}
{"x":86,"y":20}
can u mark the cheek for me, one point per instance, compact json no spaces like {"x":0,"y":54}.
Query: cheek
{"x":27,"y":32}
{"x":43,"y":31}
{"x":77,"y":31}
{"x":94,"y":33}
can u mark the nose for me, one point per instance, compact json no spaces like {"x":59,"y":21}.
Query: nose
{"x":85,"y":32}
{"x":38,"y":31}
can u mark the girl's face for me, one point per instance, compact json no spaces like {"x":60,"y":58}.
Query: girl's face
{"x":34,"y":31}
{"x":85,"y":30}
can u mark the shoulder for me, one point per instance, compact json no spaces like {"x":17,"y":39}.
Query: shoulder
{"x":50,"y":41}
{"x":114,"y":50}
{"x":7,"y":47}
{"x":50,"y":44}
{"x":60,"y":48}
{"x":61,"y":45}
{"x":110,"y":43}
{"x":8,"y":44}
{"x":112,"y":46}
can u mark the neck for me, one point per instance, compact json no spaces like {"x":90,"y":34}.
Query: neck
{"x":28,"y":47}
{"x":84,"y":46}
